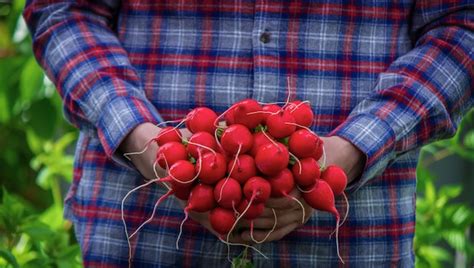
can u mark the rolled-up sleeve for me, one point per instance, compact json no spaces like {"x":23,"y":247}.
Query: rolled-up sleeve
{"x":75,"y":44}
{"x":423,"y":95}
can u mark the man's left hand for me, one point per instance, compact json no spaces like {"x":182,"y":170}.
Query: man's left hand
{"x":289,"y":213}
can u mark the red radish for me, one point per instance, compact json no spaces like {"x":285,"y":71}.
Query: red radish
{"x":259,"y":138}
{"x":228,"y":193}
{"x":272,"y":158}
{"x":201,"y":119}
{"x":202,"y":138}
{"x":236,"y":136}
{"x":282,"y":183}
{"x":182,"y":192}
{"x":336,"y":178}
{"x":319,"y":151}
{"x":306,"y":171}
{"x":303,"y":143}
{"x":170,"y":153}
{"x":258,"y":188}
{"x":244,"y":168}
{"x":168,"y":134}
{"x":248,"y":113}
{"x":269,"y":109}
{"x":321,"y":197}
{"x":212,"y":166}
{"x":254,"y":210}
{"x":302,"y":113}
{"x":281,"y":125}
{"x":201,"y":199}
{"x":222,"y":220}
{"x":182,"y":172}
{"x":229,"y":117}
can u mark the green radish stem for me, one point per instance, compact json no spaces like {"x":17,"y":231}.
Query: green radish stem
{"x":239,"y":244}
{"x":269,"y":233}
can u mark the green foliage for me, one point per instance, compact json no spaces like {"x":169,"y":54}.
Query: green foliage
{"x":36,"y":147}
{"x":442,"y":223}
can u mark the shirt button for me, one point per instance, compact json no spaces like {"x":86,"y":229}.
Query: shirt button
{"x":265,"y":37}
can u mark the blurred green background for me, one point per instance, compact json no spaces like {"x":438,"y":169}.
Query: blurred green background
{"x":36,"y":147}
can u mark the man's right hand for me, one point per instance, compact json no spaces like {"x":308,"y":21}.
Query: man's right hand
{"x":136,"y":141}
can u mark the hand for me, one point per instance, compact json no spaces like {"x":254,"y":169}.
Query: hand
{"x":136,"y":141}
{"x":344,"y":154}
{"x":339,"y":152}
{"x":289,"y":216}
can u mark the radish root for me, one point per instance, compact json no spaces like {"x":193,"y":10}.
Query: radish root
{"x":147,"y":144}
{"x":299,"y":203}
{"x":181,"y":226}
{"x":230,"y":172}
{"x":305,"y":191}
{"x":123,"y":217}
{"x":163,"y":197}
{"x":299,"y":104}
{"x":269,"y":233}
{"x":345,"y":215}
{"x":297,"y":160}
{"x":235,"y":224}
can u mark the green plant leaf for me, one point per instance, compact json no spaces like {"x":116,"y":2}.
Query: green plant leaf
{"x":31,"y":80}
{"x":469,"y":140}
{"x":38,"y":231}
{"x":456,"y":239}
{"x":42,"y":118}
{"x":436,"y":253}
{"x":450,"y":191}
{"x":8,"y":256}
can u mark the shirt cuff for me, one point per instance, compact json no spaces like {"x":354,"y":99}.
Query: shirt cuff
{"x":119,"y":117}
{"x":375,"y":138}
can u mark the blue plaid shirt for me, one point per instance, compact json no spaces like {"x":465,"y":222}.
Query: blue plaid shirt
{"x":389,"y":76}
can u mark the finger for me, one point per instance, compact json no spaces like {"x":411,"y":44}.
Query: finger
{"x":277,"y":234}
{"x":185,"y":133}
{"x":280,"y":203}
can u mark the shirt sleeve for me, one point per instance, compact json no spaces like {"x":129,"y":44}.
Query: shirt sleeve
{"x":101,"y":91}
{"x":422,"y":96}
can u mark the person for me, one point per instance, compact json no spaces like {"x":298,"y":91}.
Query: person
{"x":383,"y":79}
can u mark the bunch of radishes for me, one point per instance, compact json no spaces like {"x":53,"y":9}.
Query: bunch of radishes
{"x":233,"y":163}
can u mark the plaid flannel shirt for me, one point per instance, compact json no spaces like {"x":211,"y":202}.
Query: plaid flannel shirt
{"x":389,"y":76}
